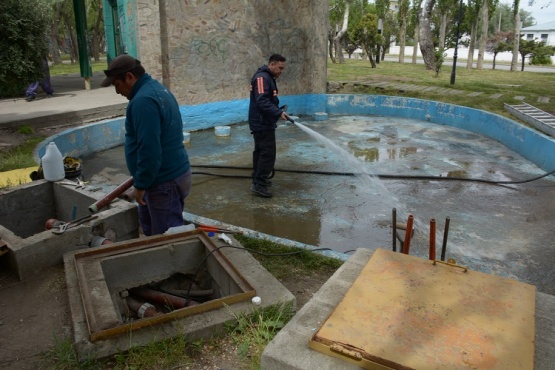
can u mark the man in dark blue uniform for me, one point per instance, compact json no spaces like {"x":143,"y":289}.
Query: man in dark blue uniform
{"x":264,"y":112}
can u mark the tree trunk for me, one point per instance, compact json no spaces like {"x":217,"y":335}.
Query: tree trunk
{"x":54,"y":36}
{"x":402,"y":37}
{"x":73,"y":52}
{"x":416,"y":42}
{"x":337,"y":38}
{"x":483,"y":35}
{"x":97,"y":33}
{"x":471,"y":46}
{"x":442,"y":32}
{"x":427,"y":44}
{"x":494,"y":56}
{"x":330,"y":47}
{"x":370,"y":58}
{"x":516,"y":42}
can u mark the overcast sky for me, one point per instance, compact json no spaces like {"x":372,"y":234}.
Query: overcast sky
{"x":543,"y":11}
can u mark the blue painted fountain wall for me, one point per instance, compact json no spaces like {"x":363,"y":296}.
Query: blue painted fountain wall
{"x":532,"y":145}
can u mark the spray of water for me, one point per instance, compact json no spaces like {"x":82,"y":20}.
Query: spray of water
{"x":370,"y":180}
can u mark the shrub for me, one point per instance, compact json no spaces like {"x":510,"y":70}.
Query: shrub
{"x":23,"y":44}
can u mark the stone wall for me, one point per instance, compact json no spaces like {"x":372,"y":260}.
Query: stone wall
{"x":207,"y":51}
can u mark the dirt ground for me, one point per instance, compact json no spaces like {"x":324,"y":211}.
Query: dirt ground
{"x":35,"y":314}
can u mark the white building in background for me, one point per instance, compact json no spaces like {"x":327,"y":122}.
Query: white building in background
{"x":540,"y":32}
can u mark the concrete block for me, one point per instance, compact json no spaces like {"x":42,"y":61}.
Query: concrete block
{"x":31,"y":247}
{"x":201,"y":325}
{"x":289,"y":348}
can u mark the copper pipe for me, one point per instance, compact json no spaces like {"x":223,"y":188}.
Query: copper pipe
{"x":432,"y":239}
{"x":445,"y":233}
{"x":394,"y":220}
{"x":172,"y":301}
{"x":93,"y":208}
{"x":408,"y":234}
{"x":142,"y":309}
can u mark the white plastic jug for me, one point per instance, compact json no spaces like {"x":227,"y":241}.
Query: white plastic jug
{"x":53,"y":163}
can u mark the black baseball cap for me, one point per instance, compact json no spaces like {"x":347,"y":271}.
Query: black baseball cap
{"x":117,"y":67}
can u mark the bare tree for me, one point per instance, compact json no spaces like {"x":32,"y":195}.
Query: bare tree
{"x":426,"y":42}
{"x":516,"y":15}
{"x":474,"y":7}
{"x":402,"y":19}
{"x":337,"y":38}
{"x":95,"y":13}
{"x":483,"y":35}
{"x":54,"y":34}
{"x":416,"y":20}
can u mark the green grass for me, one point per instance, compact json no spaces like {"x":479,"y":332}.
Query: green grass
{"x":20,"y":156}
{"x":67,"y":68}
{"x":488,"y":81}
{"x":252,"y":333}
{"x":293,"y":262}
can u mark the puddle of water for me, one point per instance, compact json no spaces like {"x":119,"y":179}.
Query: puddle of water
{"x":372,"y":182}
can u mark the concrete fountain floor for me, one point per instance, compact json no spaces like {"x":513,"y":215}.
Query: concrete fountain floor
{"x":503,"y":230}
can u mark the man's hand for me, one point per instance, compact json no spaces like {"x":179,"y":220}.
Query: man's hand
{"x":285,"y":117}
{"x":139,"y":195}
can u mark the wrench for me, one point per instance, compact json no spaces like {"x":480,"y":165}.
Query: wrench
{"x":78,"y":185}
{"x":60,"y":229}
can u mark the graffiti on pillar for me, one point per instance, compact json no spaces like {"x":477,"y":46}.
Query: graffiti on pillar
{"x":217,"y":47}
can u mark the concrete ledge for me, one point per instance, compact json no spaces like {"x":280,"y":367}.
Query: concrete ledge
{"x":289,"y":349}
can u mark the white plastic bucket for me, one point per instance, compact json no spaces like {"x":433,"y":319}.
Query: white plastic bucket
{"x":222,"y":130}
{"x":186,"y":137}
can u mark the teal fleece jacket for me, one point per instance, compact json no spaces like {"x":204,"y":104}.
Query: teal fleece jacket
{"x":154,"y":149}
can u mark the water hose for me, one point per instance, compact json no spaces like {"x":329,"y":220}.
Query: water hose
{"x":381,"y":176}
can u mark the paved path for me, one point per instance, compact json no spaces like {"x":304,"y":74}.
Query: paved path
{"x":70,"y":105}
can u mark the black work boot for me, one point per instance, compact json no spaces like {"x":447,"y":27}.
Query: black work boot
{"x":260,"y":190}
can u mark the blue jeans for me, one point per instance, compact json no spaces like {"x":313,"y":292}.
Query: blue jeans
{"x":164,"y":205}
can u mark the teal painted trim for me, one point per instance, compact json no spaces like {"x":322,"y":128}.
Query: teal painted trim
{"x":531,"y":144}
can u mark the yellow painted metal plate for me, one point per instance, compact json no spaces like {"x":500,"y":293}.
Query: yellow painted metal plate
{"x":404,"y":312}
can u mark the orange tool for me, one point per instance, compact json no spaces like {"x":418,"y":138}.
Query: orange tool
{"x":216,"y":229}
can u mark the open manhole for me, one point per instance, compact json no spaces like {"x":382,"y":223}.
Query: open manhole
{"x":149,"y":281}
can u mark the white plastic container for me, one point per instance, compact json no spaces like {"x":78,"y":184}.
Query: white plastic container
{"x":53,"y":163}
{"x":186,"y":137}
{"x":180,"y":229}
{"x":222,"y":130}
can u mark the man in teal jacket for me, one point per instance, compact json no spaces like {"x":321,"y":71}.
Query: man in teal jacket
{"x":154,"y":151}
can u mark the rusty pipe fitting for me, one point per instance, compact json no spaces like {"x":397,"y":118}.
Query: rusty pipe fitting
{"x":93,"y":208}
{"x":142,"y":309}
{"x":162,"y":298}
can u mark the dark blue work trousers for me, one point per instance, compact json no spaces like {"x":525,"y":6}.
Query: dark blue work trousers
{"x":164,"y":205}
{"x":263,"y":156}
